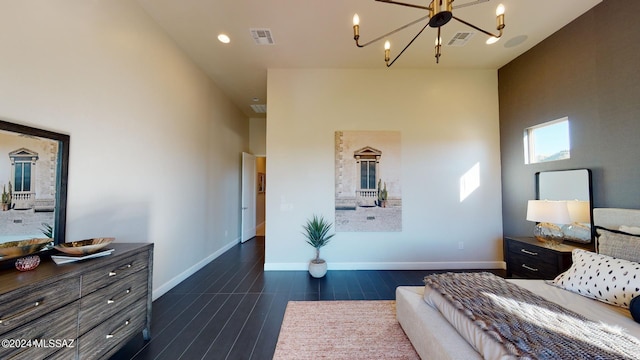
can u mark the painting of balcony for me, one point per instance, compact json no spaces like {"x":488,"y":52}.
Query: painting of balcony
{"x":368,"y":195}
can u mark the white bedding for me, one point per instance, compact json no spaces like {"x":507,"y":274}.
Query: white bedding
{"x":490,"y":349}
{"x":435,"y":337}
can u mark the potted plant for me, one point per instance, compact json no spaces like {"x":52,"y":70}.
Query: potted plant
{"x":316,"y":230}
{"x":6,"y":197}
{"x":382,"y":194}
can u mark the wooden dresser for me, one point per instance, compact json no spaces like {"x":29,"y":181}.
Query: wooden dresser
{"x":528,"y":258}
{"x":83,"y":310}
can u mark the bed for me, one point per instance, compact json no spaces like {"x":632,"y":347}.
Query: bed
{"x":438,"y":330}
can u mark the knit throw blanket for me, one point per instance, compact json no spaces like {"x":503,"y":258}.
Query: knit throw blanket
{"x":527,"y":325}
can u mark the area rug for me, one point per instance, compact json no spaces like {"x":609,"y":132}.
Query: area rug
{"x":342,"y":330}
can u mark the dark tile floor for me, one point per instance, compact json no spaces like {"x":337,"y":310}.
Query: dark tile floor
{"x":232,"y":309}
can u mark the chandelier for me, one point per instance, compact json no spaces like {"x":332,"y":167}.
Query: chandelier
{"x":440,"y":13}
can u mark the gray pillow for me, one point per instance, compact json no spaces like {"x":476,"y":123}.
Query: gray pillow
{"x":618,"y":244}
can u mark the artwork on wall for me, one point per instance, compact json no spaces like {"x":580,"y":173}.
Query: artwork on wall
{"x":368,"y":195}
{"x":261,"y":182}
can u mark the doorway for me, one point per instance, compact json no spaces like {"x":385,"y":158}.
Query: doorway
{"x":261,"y":169}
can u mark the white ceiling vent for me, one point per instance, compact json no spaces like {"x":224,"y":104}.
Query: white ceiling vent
{"x":460,"y":38}
{"x":259,"y":108}
{"x":262,"y":36}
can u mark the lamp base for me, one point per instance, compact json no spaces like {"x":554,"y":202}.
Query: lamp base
{"x":577,"y":232}
{"x":548,"y":233}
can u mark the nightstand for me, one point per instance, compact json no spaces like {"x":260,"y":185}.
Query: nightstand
{"x":529,"y":258}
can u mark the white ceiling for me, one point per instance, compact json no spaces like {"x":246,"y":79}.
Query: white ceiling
{"x":319,"y":34}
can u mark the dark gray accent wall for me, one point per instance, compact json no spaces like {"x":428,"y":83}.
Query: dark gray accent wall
{"x":589,"y":71}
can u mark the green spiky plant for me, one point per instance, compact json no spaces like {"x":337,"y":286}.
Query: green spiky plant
{"x":47,"y":230}
{"x":316,"y":230}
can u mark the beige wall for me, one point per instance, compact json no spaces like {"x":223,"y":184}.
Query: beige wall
{"x":448,"y":122}
{"x":258,"y":136}
{"x":155,"y":145}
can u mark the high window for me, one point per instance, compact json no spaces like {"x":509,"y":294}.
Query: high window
{"x":547,"y":142}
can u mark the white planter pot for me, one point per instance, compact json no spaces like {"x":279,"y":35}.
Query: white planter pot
{"x":318,"y":269}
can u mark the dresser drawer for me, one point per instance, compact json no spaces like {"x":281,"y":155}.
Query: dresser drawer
{"x":104,"y":303}
{"x":58,"y":326}
{"x":100,"y":340}
{"x":113,"y":272}
{"x":23,"y":305}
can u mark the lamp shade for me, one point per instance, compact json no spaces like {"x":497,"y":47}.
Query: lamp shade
{"x":579,"y":211}
{"x":555,"y":212}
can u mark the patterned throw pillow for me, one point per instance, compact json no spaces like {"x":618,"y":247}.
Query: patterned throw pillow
{"x":618,"y":244}
{"x":601,"y":277}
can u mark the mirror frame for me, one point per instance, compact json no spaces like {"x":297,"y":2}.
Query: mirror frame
{"x":590,"y":185}
{"x":60,"y":210}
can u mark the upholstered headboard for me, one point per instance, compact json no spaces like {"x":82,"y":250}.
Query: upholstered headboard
{"x":612,"y":218}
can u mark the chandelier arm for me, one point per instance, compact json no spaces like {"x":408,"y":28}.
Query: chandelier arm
{"x":409,"y":44}
{"x":405,"y":4}
{"x":391,"y":32}
{"x":477,"y":28}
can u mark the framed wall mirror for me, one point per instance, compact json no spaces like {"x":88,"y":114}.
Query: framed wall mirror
{"x":573,"y":186}
{"x":33,"y":181}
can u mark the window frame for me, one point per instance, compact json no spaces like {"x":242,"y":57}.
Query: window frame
{"x":530,"y":155}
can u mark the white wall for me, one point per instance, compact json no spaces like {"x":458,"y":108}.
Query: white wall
{"x":155,"y":145}
{"x":448,"y":122}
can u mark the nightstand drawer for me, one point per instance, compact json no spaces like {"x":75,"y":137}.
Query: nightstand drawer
{"x":532,"y":252}
{"x":529,"y":258}
{"x":530,"y":267}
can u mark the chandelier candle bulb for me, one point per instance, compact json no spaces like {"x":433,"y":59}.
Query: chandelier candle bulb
{"x":356,"y":26}
{"x":500,"y":17}
{"x":387,"y":51}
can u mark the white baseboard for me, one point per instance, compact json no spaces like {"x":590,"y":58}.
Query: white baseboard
{"x":161,"y":290}
{"x":452,"y":265}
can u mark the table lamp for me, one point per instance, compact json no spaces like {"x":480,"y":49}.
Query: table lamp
{"x":580,"y":228}
{"x":548,"y":214}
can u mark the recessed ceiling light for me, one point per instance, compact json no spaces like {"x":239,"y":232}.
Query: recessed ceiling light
{"x":224,"y":38}
{"x":492,"y":40}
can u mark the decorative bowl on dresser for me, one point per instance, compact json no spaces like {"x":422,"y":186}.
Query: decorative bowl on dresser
{"x":81,"y":310}
{"x":529,"y":258}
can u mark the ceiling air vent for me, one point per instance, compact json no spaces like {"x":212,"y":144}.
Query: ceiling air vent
{"x":460,"y":38}
{"x":259,"y":108}
{"x":262,"y":36}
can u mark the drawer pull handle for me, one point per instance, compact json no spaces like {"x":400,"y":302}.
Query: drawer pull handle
{"x":529,"y":267}
{"x":113,"y":299}
{"x":113,"y":273}
{"x":113,"y":333}
{"x":32,"y":307}
{"x":529,"y":252}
